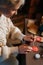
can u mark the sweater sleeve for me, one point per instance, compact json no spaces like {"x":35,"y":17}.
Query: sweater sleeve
{"x":15,"y":31}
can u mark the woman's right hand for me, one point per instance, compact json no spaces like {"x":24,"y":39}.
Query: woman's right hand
{"x":23,"y":49}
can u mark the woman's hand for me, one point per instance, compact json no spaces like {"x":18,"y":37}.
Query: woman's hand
{"x":23,"y":49}
{"x":28,"y":38}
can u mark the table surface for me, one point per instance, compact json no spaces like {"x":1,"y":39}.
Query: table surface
{"x":30,"y":59}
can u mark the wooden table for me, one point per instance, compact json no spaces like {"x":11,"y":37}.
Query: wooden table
{"x":30,"y":59}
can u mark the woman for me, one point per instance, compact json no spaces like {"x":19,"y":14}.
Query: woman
{"x":7,"y":28}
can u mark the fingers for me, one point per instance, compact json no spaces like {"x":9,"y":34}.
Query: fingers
{"x":28,"y":38}
{"x":23,"y":49}
{"x":38,"y":38}
{"x":31,"y":40}
{"x":29,"y":49}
